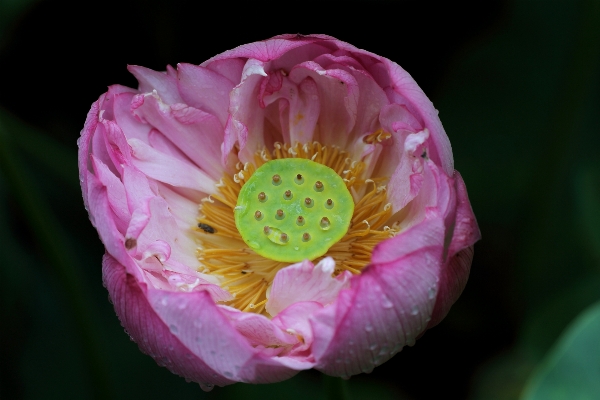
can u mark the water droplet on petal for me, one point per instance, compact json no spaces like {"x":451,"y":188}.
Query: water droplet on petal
{"x":368,"y":328}
{"x":414,"y":310}
{"x":431,"y":292}
{"x":386,"y":303}
{"x":207,"y":387}
{"x":373,"y":346}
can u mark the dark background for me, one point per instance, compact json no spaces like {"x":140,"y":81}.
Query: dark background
{"x":517,"y":87}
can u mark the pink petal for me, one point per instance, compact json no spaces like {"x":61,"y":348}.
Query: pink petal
{"x":419,"y":105}
{"x":115,"y":192}
{"x":205,"y":89}
{"x":197,"y":134}
{"x":150,"y":332}
{"x":168,"y":169}
{"x":386,"y":308}
{"x":305,"y":282}
{"x":131,"y":126}
{"x":84,"y":146}
{"x":150,"y":80}
{"x":230,"y":68}
{"x":258,"y":329}
{"x":266,"y":50}
{"x":295,"y":320}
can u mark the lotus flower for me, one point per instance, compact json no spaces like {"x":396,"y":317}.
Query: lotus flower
{"x":286,"y":205}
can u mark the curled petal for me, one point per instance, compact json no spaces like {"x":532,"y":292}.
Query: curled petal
{"x":305,"y":282}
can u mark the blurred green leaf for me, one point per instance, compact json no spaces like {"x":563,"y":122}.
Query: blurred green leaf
{"x":48,"y":233}
{"x":52,"y":156}
{"x":588,"y":199}
{"x":571,"y":370}
{"x":10,"y":11}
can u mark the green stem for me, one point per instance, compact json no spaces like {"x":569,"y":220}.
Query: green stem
{"x":335,"y":388}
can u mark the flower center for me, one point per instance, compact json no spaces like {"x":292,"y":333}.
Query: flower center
{"x":288,"y":191}
{"x":293,"y":209}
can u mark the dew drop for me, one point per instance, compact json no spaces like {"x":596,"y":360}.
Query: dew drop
{"x":386,"y":303}
{"x":207,"y":387}
{"x":368,"y":328}
{"x":373,"y":346}
{"x":431,"y":292}
{"x":414,"y":310}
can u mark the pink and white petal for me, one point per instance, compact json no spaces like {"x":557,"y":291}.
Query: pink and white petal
{"x":168,"y":169}
{"x":371,"y":99}
{"x":230,"y":68}
{"x":305,"y":282}
{"x":205,"y":89}
{"x":149,"y":80}
{"x":246,"y":122}
{"x":338,"y":95}
{"x":115,"y":192}
{"x":195,"y":320}
{"x":295,"y":320}
{"x":84,"y":144}
{"x":137,"y":188}
{"x":108,"y":105}
{"x":386,"y":308}
{"x":466,"y":232}
{"x":161,"y":143}
{"x":420,"y":106}
{"x":163,"y":227}
{"x":407,"y":178}
{"x":115,"y":144}
{"x":309,"y":51}
{"x":258,"y":329}
{"x":267,"y":50}
{"x":453,"y":280}
{"x":131,"y":126}
{"x":103,"y":219}
{"x":182,"y":208}
{"x":151,"y":333}
{"x":197,"y":134}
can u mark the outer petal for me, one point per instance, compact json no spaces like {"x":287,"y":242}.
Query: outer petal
{"x":150,"y":332}
{"x":386,"y":308}
{"x":455,"y":274}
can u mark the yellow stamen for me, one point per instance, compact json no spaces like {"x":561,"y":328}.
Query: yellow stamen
{"x":247,"y":275}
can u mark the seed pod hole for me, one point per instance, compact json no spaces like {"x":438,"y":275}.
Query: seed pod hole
{"x":279,"y":214}
{"x":300,"y":220}
{"x":299,"y":179}
{"x":325,"y":224}
{"x":288,"y":195}
{"x":262,"y":197}
{"x":308,"y":202}
{"x":319,"y":186}
{"x":258,"y":215}
{"x":305,"y":237}
{"x":329,"y":204}
{"x":276,"y":180}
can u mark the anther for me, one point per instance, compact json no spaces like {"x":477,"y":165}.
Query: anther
{"x":306,"y":236}
{"x":257,"y":214}
{"x":262,"y":196}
